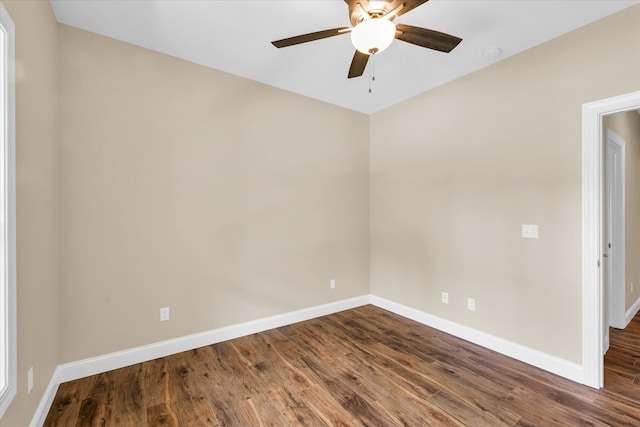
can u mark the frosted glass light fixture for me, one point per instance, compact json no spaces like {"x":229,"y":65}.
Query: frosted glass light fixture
{"x":373,"y":35}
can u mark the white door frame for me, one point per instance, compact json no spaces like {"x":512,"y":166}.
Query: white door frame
{"x":615,"y":205}
{"x":592,"y":205}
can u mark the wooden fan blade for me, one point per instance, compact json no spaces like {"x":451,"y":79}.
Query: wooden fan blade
{"x":304,"y":38}
{"x":358,"y":64}
{"x":427,"y":38}
{"x":407,"y":5}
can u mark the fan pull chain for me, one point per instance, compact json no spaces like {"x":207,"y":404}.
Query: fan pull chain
{"x":372,"y":71}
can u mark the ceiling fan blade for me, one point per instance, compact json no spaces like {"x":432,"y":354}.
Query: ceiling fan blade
{"x":358,"y":64}
{"x":407,"y":5}
{"x":430,"y":39}
{"x":304,"y":38}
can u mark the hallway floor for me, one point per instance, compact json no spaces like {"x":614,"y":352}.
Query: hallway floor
{"x":622,"y":361}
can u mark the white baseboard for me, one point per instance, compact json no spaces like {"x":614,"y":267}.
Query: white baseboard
{"x":556,"y":365}
{"x":47,"y":399}
{"x":630,"y":314}
{"x":108,"y":362}
{"x":95,"y":365}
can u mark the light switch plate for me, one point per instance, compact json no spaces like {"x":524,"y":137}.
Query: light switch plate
{"x":530,"y":231}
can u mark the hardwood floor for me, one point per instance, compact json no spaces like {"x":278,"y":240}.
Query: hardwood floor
{"x":361,"y":367}
{"x":622,"y":361}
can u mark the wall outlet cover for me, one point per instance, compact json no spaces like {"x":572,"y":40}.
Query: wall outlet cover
{"x":530,"y":231}
{"x":445,"y":298}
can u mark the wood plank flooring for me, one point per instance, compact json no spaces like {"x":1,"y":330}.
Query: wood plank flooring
{"x":361,"y":367}
{"x":622,"y":361}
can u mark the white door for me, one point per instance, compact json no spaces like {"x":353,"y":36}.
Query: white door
{"x":615,"y":244}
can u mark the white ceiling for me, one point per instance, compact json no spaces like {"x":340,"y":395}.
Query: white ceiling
{"x":235,"y":36}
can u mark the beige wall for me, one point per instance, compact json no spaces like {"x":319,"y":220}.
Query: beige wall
{"x":627,"y":126}
{"x":456,"y":171}
{"x":37,"y":199}
{"x":163,"y":183}
{"x":186,"y":187}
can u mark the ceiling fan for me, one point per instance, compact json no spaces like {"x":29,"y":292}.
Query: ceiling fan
{"x":373,"y":31}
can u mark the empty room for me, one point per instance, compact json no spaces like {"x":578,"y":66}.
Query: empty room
{"x":321,"y":213}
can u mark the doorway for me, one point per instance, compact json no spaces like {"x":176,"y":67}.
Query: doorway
{"x":621,"y":243}
{"x":593,"y":298}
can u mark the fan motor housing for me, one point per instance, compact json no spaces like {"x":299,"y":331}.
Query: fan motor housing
{"x":364,"y":9}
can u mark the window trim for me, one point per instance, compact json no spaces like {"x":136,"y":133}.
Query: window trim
{"x":8,"y":375}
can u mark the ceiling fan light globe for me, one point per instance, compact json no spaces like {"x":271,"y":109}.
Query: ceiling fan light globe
{"x":373,"y":35}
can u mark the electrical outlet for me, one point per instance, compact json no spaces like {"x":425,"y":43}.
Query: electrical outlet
{"x":333,"y":283}
{"x":164,"y":314}
{"x":445,"y":298}
{"x":471,"y":304}
{"x":30,"y":380}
